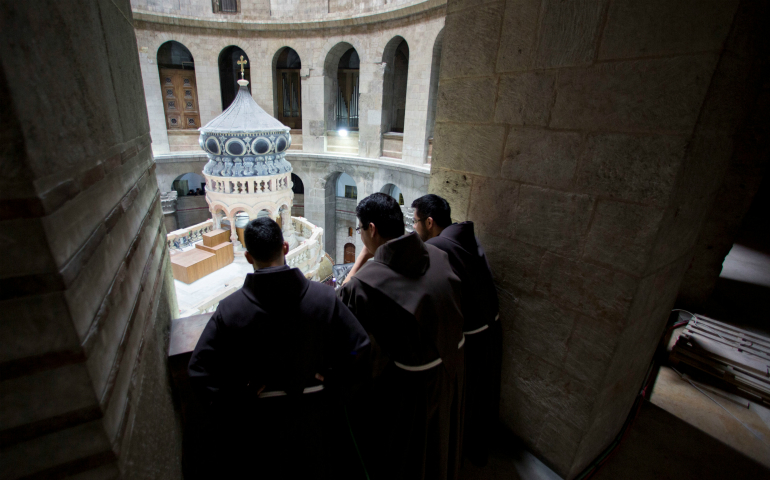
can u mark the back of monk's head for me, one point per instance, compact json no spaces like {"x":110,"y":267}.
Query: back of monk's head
{"x":434,"y":207}
{"x":383,"y":211}
{"x":263,"y":239}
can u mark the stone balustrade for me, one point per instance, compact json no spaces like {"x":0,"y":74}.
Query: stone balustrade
{"x":186,"y":237}
{"x":248,"y":185}
{"x":168,"y":201}
{"x":307,"y":255}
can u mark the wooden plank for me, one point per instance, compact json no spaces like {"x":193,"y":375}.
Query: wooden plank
{"x":723,"y":370}
{"x":755,"y":337}
{"x":759,"y":370}
{"x":749,"y":351}
{"x":726,"y":376}
{"x":738,"y":336}
{"x":727,"y":338}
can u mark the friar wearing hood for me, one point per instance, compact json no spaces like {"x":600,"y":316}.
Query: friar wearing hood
{"x":407,"y":298}
{"x":483,"y":333}
{"x":267,"y":364}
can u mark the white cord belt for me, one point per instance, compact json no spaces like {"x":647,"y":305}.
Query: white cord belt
{"x":480,"y":329}
{"x":281,"y":393}
{"x":418,"y":368}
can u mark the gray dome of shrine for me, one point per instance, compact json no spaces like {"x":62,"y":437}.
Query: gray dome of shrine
{"x":245,"y":141}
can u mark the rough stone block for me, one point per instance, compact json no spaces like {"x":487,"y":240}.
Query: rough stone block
{"x":455,"y":188}
{"x":474,"y":149}
{"x":493,"y":206}
{"x":515,"y":265}
{"x":525,"y":98}
{"x":465,"y":55}
{"x":622,"y":235}
{"x":590,"y":347}
{"x":542,"y":381}
{"x":679,"y":230}
{"x":558,"y":441}
{"x":554,"y":220}
{"x":532,"y":314}
{"x":589,"y":289}
{"x":518,"y":40}
{"x":640,"y":95}
{"x":634,"y":168}
{"x":662,"y":27}
{"x":466,"y":100}
{"x":541,"y":157}
{"x":568,"y":32}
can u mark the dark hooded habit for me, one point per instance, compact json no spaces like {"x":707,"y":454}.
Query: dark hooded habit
{"x":267,"y":365}
{"x":483,"y":337}
{"x":407,"y":423}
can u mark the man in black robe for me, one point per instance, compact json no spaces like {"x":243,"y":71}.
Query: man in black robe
{"x":407,"y":298}
{"x":267,"y":363}
{"x":483,"y":333}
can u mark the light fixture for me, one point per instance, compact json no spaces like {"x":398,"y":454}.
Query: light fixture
{"x":342,"y":132}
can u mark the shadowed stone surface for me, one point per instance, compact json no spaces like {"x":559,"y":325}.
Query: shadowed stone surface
{"x":663,"y":27}
{"x":622,"y":235}
{"x":634,"y":168}
{"x":568,"y":32}
{"x":553,"y":220}
{"x":456,"y":144}
{"x":467,"y":100}
{"x":541,"y":157}
{"x":525,"y":98}
{"x":639,"y":95}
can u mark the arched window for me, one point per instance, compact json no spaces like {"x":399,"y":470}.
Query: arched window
{"x":178,"y":87}
{"x":189,"y":184}
{"x":230,"y":73}
{"x":347,"y":91}
{"x":297,"y":186}
{"x":287,"y":96}
{"x":350,"y":231}
{"x":396,"y":59}
{"x":393,"y":191}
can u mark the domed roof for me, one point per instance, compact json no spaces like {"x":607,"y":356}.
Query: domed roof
{"x":244,"y":115}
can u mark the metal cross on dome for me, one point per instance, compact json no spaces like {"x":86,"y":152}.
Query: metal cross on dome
{"x":242,"y":62}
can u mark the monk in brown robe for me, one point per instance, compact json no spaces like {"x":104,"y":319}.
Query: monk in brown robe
{"x":267,"y":366}
{"x":407,"y":299}
{"x":483,"y":333}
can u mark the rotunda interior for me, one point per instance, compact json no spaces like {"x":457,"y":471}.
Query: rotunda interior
{"x":611,"y":154}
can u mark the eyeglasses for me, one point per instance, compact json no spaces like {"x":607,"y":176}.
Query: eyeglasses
{"x":417,"y":220}
{"x":358,"y":228}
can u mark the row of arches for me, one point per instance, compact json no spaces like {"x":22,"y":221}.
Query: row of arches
{"x":342,"y":85}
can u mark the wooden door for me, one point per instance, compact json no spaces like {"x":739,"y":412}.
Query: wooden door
{"x":350,"y":253}
{"x":180,"y":98}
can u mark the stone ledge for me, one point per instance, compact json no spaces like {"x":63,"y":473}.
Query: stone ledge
{"x":424,"y":170}
{"x":262,"y":25}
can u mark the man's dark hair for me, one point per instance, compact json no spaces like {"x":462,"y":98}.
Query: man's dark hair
{"x":383,"y":211}
{"x":263,"y":239}
{"x":435,"y":207}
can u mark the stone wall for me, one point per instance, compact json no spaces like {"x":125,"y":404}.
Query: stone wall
{"x":315,"y":46}
{"x":88,"y":297}
{"x":273,"y":9}
{"x":587,"y":140}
